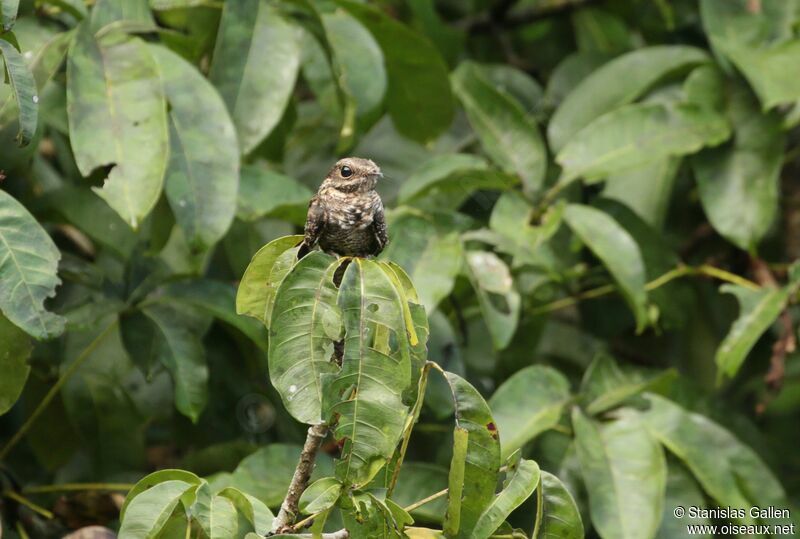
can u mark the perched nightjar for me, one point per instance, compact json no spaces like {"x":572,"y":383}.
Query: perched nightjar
{"x":346,"y":216}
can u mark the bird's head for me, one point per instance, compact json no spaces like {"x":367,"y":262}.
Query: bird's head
{"x":354,"y":174}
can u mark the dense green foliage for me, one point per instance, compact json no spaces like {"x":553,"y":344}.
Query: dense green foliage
{"x":585,"y":316}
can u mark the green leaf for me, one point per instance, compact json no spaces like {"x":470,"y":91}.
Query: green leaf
{"x":522,"y":480}
{"x":149,"y":511}
{"x":507,"y":133}
{"x":252,"y":508}
{"x":432,"y":259}
{"x":476,"y":459}
{"x":366,"y":516}
{"x":739,"y":182}
{"x":321,"y":495}
{"x":128,"y":15}
{"x":617,"y":250}
{"x":516,"y":84}
{"x":646,"y":189}
{"x":256,"y":293}
{"x":118,"y":118}
{"x":625,"y":474}
{"x":768,"y":70}
{"x":255,"y":87}
{"x":527,"y":404}
{"x":155,"y":478}
{"x":597,"y":30}
{"x":417,"y":481}
{"x":619,"y":82}
{"x":605,"y":386}
{"x":729,"y":471}
{"x":215,"y":514}
{"x":366,"y":393}
{"x":8,"y":13}
{"x":758,"y":310}
{"x":445,"y":169}
{"x":634,"y":135}
{"x":201,"y":185}
{"x":419,"y":98}
{"x":682,"y":490}
{"x":266,"y":474}
{"x":13,"y":363}
{"x":498,"y":300}
{"x":28,"y":266}
{"x":24,"y":89}
{"x":306,"y":321}
{"x":264,"y":193}
{"x":180,"y":350}
{"x":560,"y":518}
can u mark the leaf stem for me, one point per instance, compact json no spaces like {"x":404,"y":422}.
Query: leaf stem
{"x":73,"y":487}
{"x":84,"y":355}
{"x":424,"y":501}
{"x":11,"y":495}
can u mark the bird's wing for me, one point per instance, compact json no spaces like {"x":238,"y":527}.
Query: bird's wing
{"x":379,"y":225}
{"x":315,"y":223}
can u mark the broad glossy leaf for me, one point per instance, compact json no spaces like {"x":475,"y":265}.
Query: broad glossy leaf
{"x":320,"y":495}
{"x":13,"y":363}
{"x":129,"y":15}
{"x":264,"y":192}
{"x":618,"y":252}
{"x":256,"y":292}
{"x":498,"y":300}
{"x":8,"y":13}
{"x":634,"y":135}
{"x":560,"y":518}
{"x":605,"y":386}
{"x":28,"y":266}
{"x":624,"y":470}
{"x":619,"y":82}
{"x":366,"y":516}
{"x":266,"y":474}
{"x":768,"y":70}
{"x":255,"y":86}
{"x":118,"y":118}
{"x":148,"y":512}
{"x":306,"y":321}
{"x":218,"y":300}
{"x":216,"y":515}
{"x":155,"y":478}
{"x":517,"y":84}
{"x":527,"y":404}
{"x":439,"y":169}
{"x":522,"y":478}
{"x":180,"y":350}
{"x":758,"y":310}
{"x":201,"y":185}
{"x":432,"y":259}
{"x":729,"y":471}
{"x":476,"y":459}
{"x":739,"y":182}
{"x":646,"y":189}
{"x":252,"y":508}
{"x":418,"y":98}
{"x":682,"y":490}
{"x":366,"y":392}
{"x":24,"y":88}
{"x":507,"y":133}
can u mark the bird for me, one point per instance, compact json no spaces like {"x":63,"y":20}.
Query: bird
{"x":345,"y":216}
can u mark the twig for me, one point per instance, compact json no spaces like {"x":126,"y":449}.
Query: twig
{"x":289,"y":507}
{"x":77,"y":487}
{"x":55,"y":389}
{"x":424,"y":501}
{"x":11,"y":495}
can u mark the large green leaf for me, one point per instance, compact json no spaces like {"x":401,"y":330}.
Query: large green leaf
{"x":264,"y":192}
{"x":28,"y":265}
{"x":181,"y":351}
{"x":476,"y":459}
{"x":148,"y":512}
{"x":617,"y":250}
{"x":419,"y":98}
{"x":118,"y":118}
{"x":201,"y":185}
{"x":560,"y":518}
{"x":739,"y":182}
{"x":252,"y":508}
{"x":769,"y":70}
{"x":433,"y":259}
{"x":306,"y":322}
{"x":256,"y":86}
{"x":216,"y":515}
{"x":24,"y":88}
{"x":605,"y":386}
{"x":527,"y":404}
{"x":682,"y":490}
{"x":617,"y":83}
{"x":625,"y":472}
{"x":646,"y":189}
{"x":155,"y":478}
{"x":758,"y":309}
{"x":8,"y":13}
{"x":507,"y":133}
{"x":729,"y":471}
{"x":13,"y":363}
{"x":366,"y":393}
{"x":634,"y":135}
{"x":498,"y":300}
{"x":256,"y":294}
{"x":522,"y":478}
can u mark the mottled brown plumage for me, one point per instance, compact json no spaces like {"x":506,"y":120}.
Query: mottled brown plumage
{"x":346,"y":216}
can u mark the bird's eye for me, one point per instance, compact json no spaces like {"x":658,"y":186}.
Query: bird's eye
{"x":346,"y":171}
